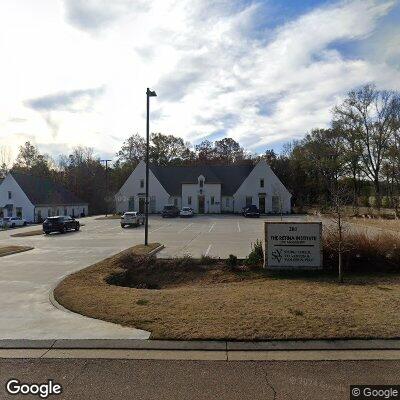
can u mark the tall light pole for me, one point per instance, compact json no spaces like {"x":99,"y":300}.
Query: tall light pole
{"x":149,"y":93}
{"x":106,"y":161}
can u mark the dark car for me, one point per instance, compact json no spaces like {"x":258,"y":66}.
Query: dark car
{"x":251,"y":211}
{"x":170,"y":211}
{"x":60,"y":224}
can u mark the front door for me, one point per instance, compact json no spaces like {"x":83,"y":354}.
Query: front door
{"x":142,"y":205}
{"x":261,"y":204}
{"x":201,"y":204}
{"x":131,"y":205}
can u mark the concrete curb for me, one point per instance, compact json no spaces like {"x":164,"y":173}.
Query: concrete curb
{"x":212,"y":345}
{"x":156,"y":250}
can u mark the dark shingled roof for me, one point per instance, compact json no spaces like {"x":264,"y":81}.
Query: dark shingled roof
{"x":44,"y":191}
{"x":230,"y":177}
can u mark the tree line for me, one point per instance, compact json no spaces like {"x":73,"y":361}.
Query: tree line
{"x":360,"y":149}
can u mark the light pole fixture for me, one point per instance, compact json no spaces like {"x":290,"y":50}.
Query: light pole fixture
{"x":149,"y":93}
{"x":107,"y":197}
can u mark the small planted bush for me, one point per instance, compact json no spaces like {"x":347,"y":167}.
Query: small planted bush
{"x":232,"y":261}
{"x":185,"y":261}
{"x":207,"y":260}
{"x":256,"y":255}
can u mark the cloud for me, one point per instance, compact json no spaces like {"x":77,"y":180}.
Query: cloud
{"x":93,"y":15}
{"x":73,"y":101}
{"x":17,"y":120}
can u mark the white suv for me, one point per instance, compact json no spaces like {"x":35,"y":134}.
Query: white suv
{"x":132,"y":218}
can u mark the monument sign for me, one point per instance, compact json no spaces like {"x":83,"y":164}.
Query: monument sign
{"x":293,"y":245}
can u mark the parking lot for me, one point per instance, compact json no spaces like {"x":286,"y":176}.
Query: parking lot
{"x":27,"y":279}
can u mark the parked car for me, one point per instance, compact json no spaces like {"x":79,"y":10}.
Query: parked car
{"x":251,"y":211}
{"x":132,"y":218}
{"x":60,"y":224}
{"x":186,"y":212}
{"x":170,"y":211}
{"x":12,"y":222}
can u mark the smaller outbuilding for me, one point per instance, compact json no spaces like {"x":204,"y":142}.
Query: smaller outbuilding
{"x":34,"y":198}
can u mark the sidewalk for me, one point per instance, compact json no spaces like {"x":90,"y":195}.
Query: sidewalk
{"x":312,"y":350}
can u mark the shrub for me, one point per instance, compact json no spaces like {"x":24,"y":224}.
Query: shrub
{"x":256,"y":255}
{"x":207,"y":260}
{"x":363,"y":252}
{"x":185,"y":260}
{"x":232,"y":261}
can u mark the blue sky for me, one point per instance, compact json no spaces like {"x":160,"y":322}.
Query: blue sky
{"x":261,"y":72}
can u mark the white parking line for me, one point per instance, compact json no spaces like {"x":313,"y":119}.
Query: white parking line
{"x":164,"y":226}
{"x":208,"y":250}
{"x":238,"y":227}
{"x":187,"y":226}
{"x":212,"y":227}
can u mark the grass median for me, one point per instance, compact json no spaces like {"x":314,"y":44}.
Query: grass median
{"x":8,"y":250}
{"x":200,"y":299}
{"x":36,"y":232}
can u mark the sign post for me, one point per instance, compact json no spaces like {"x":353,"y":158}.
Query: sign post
{"x":293,"y":245}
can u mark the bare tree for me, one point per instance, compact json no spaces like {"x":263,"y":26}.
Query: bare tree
{"x":5,"y":159}
{"x":370,"y":114}
{"x":339,"y":198}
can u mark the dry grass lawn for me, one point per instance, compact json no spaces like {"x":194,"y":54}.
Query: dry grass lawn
{"x":36,"y":232}
{"x":391,"y":225}
{"x":215,"y":302}
{"x":7,"y":250}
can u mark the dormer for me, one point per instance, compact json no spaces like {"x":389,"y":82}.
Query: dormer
{"x":201,"y":181}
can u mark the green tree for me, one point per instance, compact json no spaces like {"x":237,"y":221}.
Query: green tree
{"x":132,"y":151}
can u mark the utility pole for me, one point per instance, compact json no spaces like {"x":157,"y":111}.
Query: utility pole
{"x":106,"y":161}
{"x":149,"y":93}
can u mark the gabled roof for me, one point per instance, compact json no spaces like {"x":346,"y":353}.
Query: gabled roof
{"x":230,"y":177}
{"x":44,"y":191}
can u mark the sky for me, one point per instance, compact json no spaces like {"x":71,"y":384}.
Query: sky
{"x":75,"y":72}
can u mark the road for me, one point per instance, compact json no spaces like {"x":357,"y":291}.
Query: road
{"x":175,"y":380}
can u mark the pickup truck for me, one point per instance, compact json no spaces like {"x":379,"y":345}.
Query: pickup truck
{"x":132,"y":218}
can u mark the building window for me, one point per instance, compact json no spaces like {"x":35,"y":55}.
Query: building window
{"x":212,"y":200}
{"x":65,"y":211}
{"x":249,"y":201}
{"x":189,"y":200}
{"x":9,"y":195}
{"x":227,"y":201}
{"x":261,"y":183}
{"x":49,"y":212}
{"x":19,"y":212}
{"x":201,"y":183}
{"x":142,"y":183}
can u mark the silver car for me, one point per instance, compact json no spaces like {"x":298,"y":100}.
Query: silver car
{"x":132,"y":218}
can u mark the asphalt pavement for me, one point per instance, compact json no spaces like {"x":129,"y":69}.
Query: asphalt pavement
{"x":94,"y":379}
